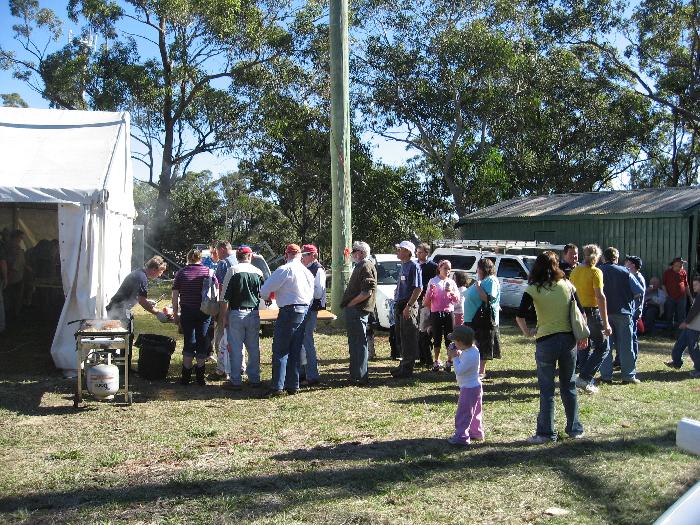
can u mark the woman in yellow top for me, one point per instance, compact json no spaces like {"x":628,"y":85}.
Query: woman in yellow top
{"x":554,"y":345}
{"x":588,"y":281}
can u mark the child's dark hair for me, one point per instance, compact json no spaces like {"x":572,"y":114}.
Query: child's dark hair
{"x":464,"y":334}
{"x":460,"y":278}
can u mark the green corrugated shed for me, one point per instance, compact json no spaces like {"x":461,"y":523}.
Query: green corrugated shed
{"x":656,"y":224}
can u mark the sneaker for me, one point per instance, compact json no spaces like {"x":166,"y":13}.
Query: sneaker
{"x":539,"y":440}
{"x":310,"y":382}
{"x":577,"y":436}
{"x":673,"y":365}
{"x":586,"y":386}
{"x":631,"y":381}
{"x":695,"y":373}
{"x":231,"y":387}
{"x":437,"y":365}
{"x":454,"y":440}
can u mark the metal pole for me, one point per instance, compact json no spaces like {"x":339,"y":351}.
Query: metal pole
{"x":340,"y":152}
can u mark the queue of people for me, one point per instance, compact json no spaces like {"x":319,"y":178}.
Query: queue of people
{"x":613,"y":298}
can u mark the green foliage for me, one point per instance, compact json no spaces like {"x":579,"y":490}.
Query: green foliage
{"x":196,"y":214}
{"x":13,"y":100}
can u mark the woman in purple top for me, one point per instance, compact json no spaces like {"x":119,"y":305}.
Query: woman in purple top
{"x":187,"y":298}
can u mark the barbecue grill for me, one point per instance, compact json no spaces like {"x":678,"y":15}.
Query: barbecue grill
{"x":103,"y":341}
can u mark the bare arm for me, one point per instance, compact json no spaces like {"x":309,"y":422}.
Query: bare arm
{"x":143,"y":301}
{"x":522,"y":324}
{"x":411,"y":301}
{"x":362,"y":296}
{"x":176,"y":305}
{"x":603,"y":309}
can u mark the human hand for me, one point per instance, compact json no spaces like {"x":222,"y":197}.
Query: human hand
{"x":581,"y":344}
{"x":607,"y":330}
{"x":162,"y":317}
{"x":406,"y":312}
{"x":683,"y":325}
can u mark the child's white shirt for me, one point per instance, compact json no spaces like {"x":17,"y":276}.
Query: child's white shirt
{"x":466,"y":367}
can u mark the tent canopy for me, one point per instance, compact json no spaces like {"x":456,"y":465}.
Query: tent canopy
{"x":65,"y":156}
{"x":80,"y":161}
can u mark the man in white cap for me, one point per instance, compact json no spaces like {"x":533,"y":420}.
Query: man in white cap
{"x":406,"y":296}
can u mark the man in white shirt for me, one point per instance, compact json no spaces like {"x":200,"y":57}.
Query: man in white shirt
{"x":293,"y":286}
{"x":309,"y":258}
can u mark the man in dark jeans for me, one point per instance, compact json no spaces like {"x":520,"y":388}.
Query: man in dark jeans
{"x":428,"y":270}
{"x":406,"y":296}
{"x":620,"y":288}
{"x":358,"y":302}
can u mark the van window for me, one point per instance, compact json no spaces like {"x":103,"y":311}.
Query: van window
{"x":388,"y":272}
{"x":510,"y":269}
{"x":459,"y":262}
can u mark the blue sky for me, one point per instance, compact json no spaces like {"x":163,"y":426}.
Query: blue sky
{"x":387,"y":151}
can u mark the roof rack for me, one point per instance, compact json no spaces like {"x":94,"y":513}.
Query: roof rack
{"x":501,"y":245}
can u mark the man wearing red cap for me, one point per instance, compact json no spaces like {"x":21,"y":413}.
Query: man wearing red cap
{"x":309,"y":258}
{"x":293,"y":286}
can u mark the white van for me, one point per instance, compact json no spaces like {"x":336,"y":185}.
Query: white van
{"x":512,"y":270}
{"x":388,"y":269}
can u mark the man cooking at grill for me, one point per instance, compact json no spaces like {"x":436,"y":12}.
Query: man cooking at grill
{"x":134,"y":289}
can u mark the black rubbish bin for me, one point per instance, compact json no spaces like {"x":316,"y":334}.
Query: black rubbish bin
{"x":154,"y":355}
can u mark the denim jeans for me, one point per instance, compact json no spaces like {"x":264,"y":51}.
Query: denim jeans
{"x":309,"y":346}
{"x":356,"y":326}
{"x":590,"y":363}
{"x":244,"y":328}
{"x":688,"y":338}
{"x":287,"y":340}
{"x":194,"y":324}
{"x":557,"y":349}
{"x":674,"y":310}
{"x":622,"y":339}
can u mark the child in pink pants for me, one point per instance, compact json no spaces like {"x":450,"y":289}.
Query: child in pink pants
{"x":465,"y":356}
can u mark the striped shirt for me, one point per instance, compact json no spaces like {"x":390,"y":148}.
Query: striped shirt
{"x":189,"y":281}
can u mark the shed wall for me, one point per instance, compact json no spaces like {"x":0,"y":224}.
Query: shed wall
{"x":655,"y":239}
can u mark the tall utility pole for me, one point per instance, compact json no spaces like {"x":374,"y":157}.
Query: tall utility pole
{"x":340,"y":151}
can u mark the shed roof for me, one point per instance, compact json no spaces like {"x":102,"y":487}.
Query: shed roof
{"x":641,"y":201}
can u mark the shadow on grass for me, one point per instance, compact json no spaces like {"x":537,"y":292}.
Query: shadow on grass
{"x":392,"y":462}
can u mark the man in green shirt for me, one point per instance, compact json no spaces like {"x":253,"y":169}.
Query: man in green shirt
{"x":241,"y":319}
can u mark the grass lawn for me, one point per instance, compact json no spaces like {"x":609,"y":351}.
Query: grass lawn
{"x":336,"y":454}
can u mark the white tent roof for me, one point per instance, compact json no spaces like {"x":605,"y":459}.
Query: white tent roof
{"x":54,"y":156}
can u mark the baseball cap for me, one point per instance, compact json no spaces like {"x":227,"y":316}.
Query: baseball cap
{"x":408,"y":245}
{"x":309,"y":249}
{"x":292,"y":248}
{"x":462,"y":333}
{"x":244,"y":249}
{"x":678,"y":259}
{"x":637,"y":261}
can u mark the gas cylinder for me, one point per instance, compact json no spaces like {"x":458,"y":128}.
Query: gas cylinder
{"x":103,"y":381}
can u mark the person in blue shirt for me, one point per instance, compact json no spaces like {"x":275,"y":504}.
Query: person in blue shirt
{"x":408,"y":290}
{"x":621,"y":289}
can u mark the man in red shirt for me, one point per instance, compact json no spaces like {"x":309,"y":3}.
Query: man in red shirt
{"x":675,"y":284}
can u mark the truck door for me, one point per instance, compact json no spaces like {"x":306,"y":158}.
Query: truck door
{"x":513,"y":279}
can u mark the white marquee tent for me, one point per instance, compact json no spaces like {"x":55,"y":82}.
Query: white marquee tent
{"x":81,"y":162}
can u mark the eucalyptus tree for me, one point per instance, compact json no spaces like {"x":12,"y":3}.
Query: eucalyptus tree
{"x":653,"y":47}
{"x":494,"y":105}
{"x":188,"y":71}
